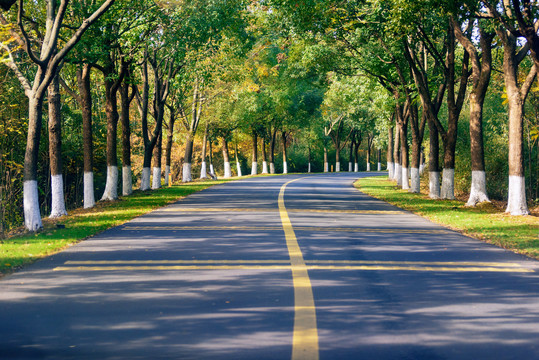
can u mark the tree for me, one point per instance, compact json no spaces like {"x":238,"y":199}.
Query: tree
{"x":46,"y":62}
{"x":481,"y":69}
{"x":517,"y":92}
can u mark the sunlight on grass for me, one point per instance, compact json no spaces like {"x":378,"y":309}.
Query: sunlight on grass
{"x":485,"y":222}
{"x":82,"y":223}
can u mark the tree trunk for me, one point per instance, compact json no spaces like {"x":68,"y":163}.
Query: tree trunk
{"x":351,"y":157}
{"x":326,"y":167}
{"x":254,"y":169}
{"x":272,"y":152}
{"x":83,"y":80}
{"x":32,"y":216}
{"x":127,"y":177}
{"x":480,"y":80}
{"x":285,"y":164}
{"x":379,"y":165}
{"x":397,"y":156}
{"x":516,"y":201}
{"x":356,"y":154}
{"x":404,"y":156}
{"x":338,"y":158}
{"x":389,"y":155}
{"x":58,"y":207}
{"x":238,"y":165}
{"x":226,"y":160}
{"x":264,"y":157}
{"x":434,"y":167}
{"x":187,"y":159}
{"x":368,"y":162}
{"x":212,"y":171}
{"x":111,"y":110}
{"x":417,"y":139}
{"x":309,"y":161}
{"x":157,"y":156}
{"x":168,"y":147}
{"x":203,"y":166}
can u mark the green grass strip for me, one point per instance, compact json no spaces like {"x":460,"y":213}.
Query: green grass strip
{"x":485,"y":222}
{"x":20,"y":250}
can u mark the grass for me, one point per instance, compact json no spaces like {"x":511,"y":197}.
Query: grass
{"x":25,"y":248}
{"x":485,"y":222}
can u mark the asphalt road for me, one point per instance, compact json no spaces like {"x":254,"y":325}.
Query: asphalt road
{"x":288,"y":267}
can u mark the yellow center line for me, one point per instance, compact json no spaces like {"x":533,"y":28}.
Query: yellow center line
{"x":305,"y":336}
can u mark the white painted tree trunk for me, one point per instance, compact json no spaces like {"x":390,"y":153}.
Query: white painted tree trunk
{"x":422,"y":169}
{"x":356,"y":167}
{"x":167,"y":175}
{"x":203,"y":170}
{"x":448,"y":184}
{"x":415,"y":183}
{"x":212,"y":171}
{"x":398,"y":174}
{"x":368,"y":167}
{"x":58,"y":207}
{"x":350,"y":167}
{"x":309,"y":168}
{"x":254,"y":168}
{"x":32,"y":217}
{"x":272,"y":168}
{"x":326,"y":167}
{"x":516,"y":201}
{"x":145,"y":180}
{"x":264,"y":167}
{"x":285,"y":167}
{"x":127,"y":181}
{"x":238,"y":168}
{"x":434,"y":184}
{"x":156,"y":180}
{"x":405,"y":178}
{"x":338,"y":166}
{"x":228,"y":172}
{"x":186,"y":172}
{"x":89,"y":195}
{"x":111,"y":186}
{"x":379,"y":167}
{"x":390,"y":170}
{"x":478,"y":191}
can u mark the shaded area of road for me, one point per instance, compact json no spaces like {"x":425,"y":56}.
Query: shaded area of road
{"x":209,"y":277}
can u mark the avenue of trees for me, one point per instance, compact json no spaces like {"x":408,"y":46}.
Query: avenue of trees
{"x":99,"y":98}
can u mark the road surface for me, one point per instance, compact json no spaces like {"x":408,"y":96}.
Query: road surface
{"x":287,"y":267}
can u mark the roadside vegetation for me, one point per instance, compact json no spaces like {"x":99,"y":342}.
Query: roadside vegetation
{"x":487,"y":221}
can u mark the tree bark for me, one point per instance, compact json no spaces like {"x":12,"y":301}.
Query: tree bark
{"x":83,"y":81}
{"x":285,"y":163}
{"x":168,"y":147}
{"x":203,"y":167}
{"x":238,"y":165}
{"x":125,"y":101}
{"x":111,"y":110}
{"x":264,"y":157}
{"x":272,"y":151}
{"x":389,"y":155}
{"x":481,"y":69}
{"x":226,"y":159}
{"x":58,"y":207}
{"x":157,"y":156}
{"x":516,"y":97}
{"x":254,"y":169}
